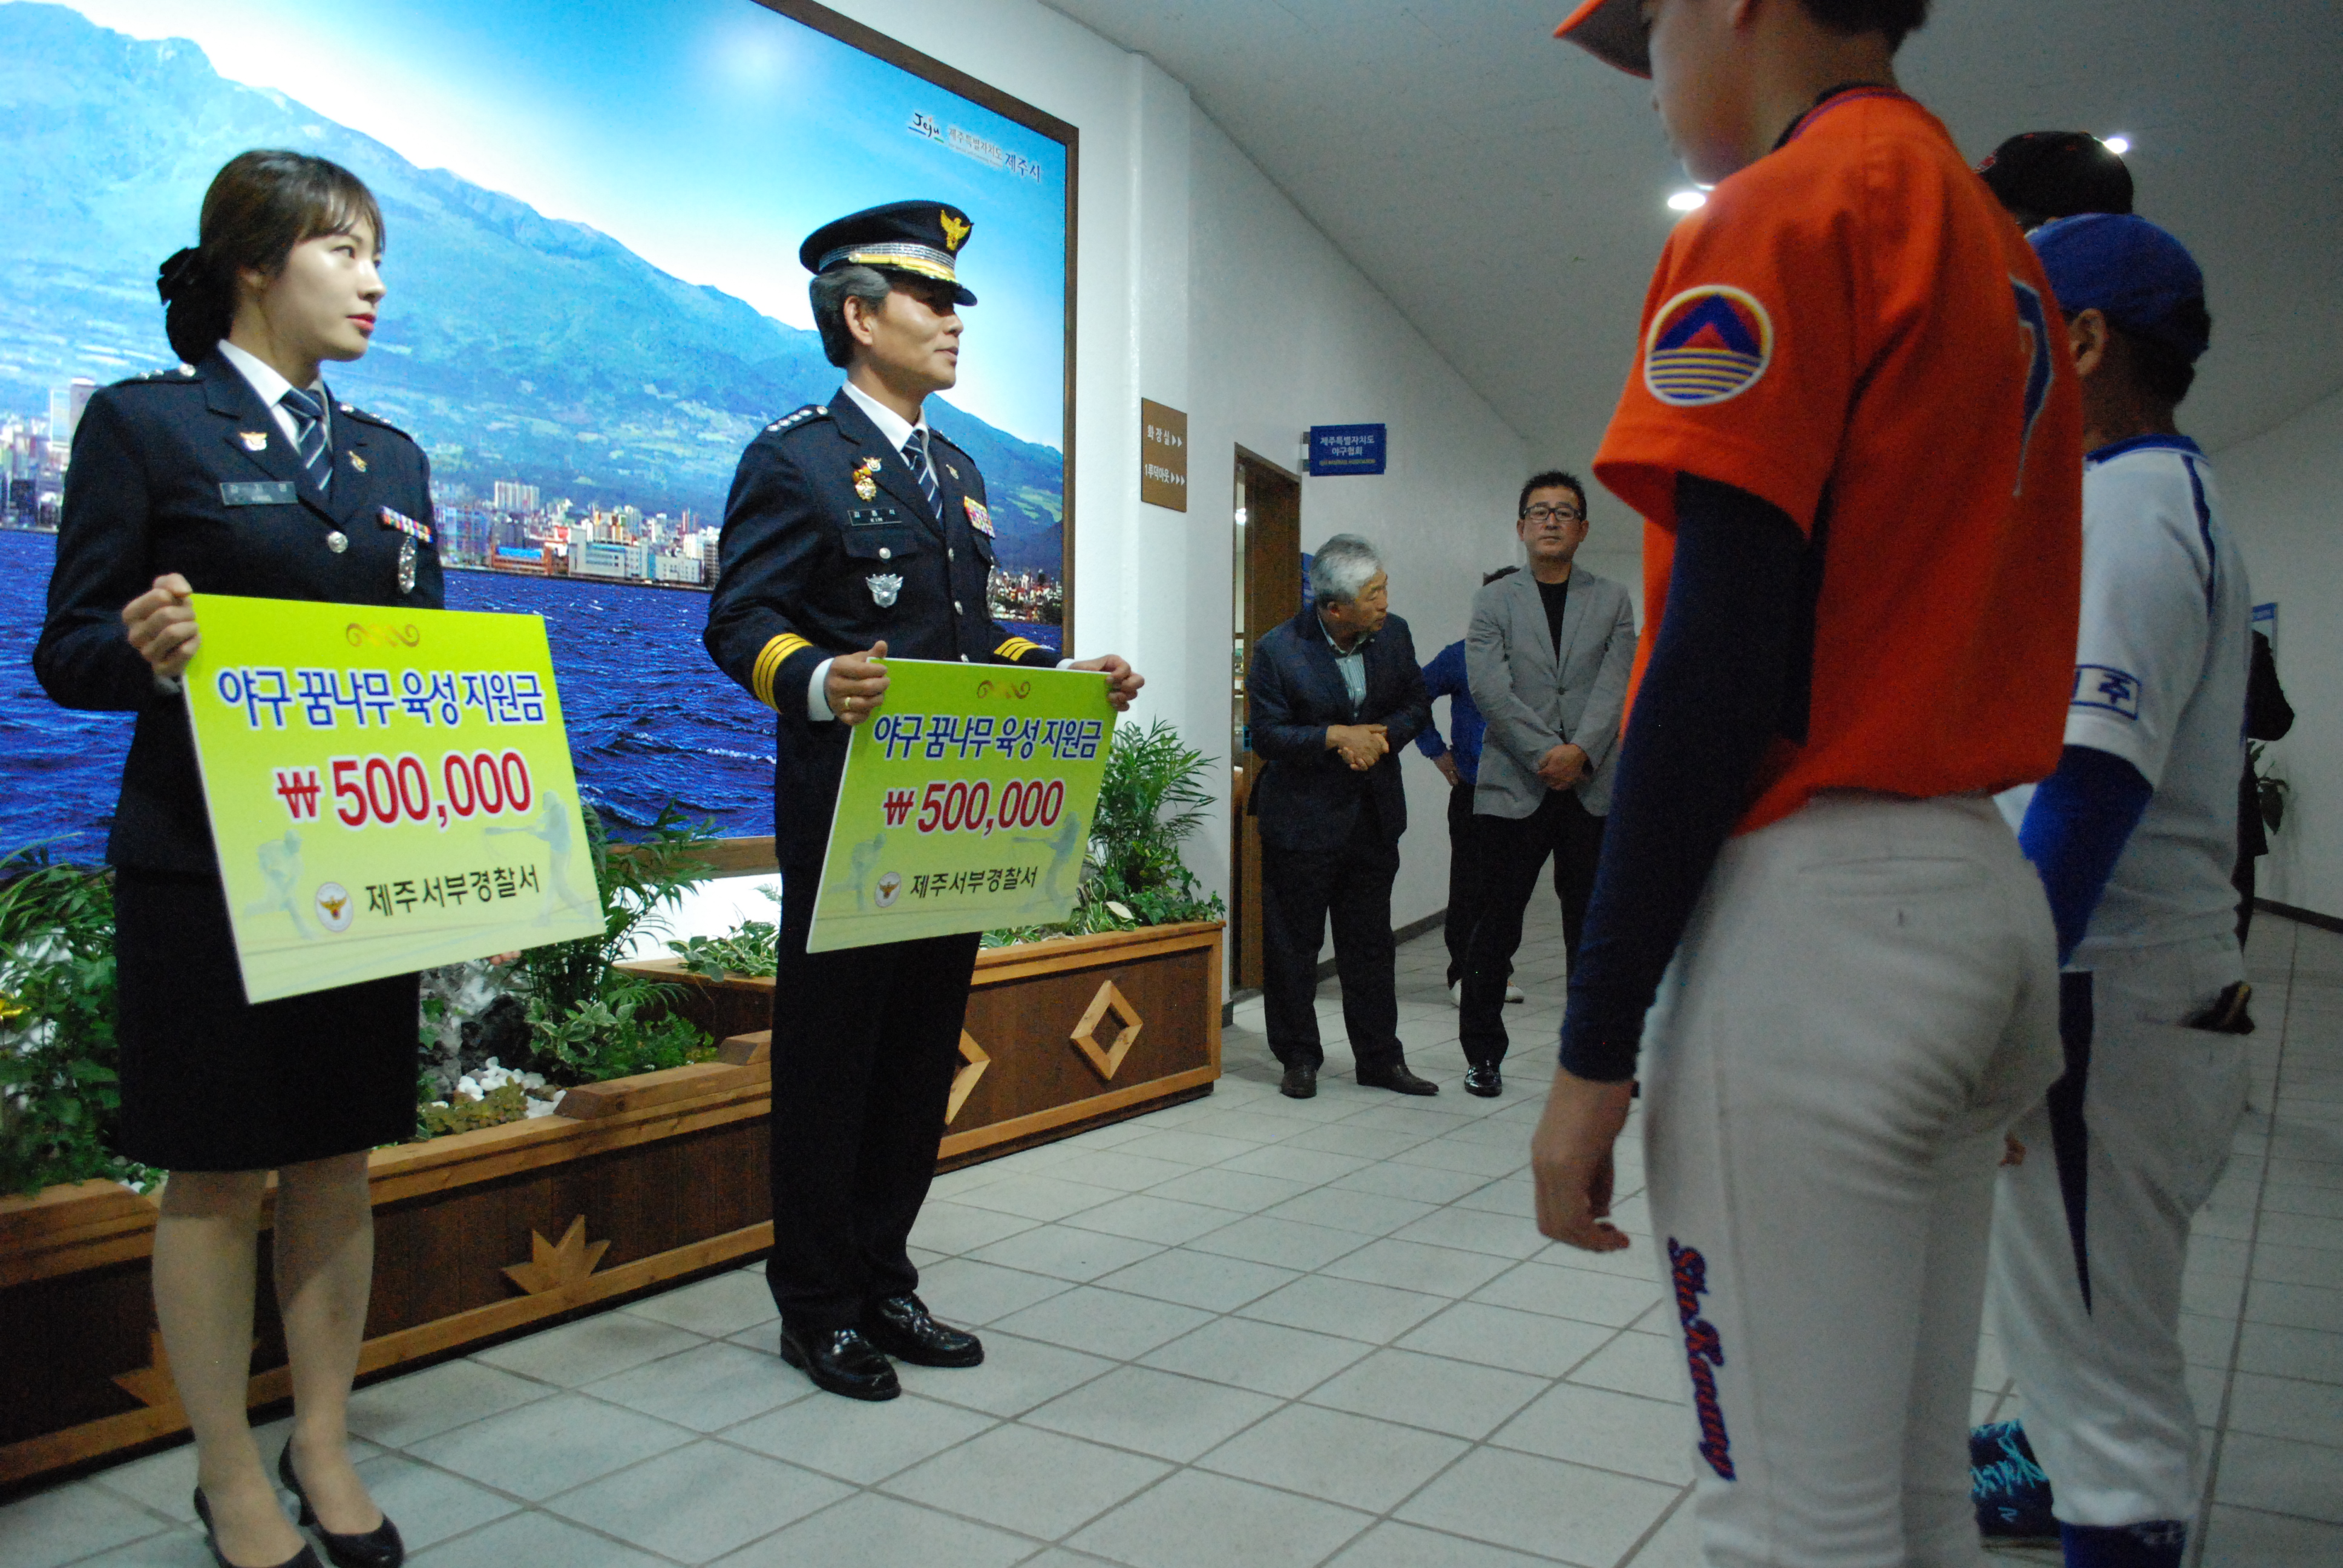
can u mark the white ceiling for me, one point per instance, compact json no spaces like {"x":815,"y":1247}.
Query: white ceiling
{"x":1507,"y":192}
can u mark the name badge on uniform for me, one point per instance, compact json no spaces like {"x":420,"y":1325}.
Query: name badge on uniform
{"x":977,"y":518}
{"x":257,"y":492}
{"x":406,"y":524}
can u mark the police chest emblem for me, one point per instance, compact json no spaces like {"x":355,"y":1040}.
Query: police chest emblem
{"x":884,"y":587}
{"x":254,"y":440}
{"x":977,"y":518}
{"x":866,"y":478}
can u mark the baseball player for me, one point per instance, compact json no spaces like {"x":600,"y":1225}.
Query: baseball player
{"x":2088,"y":1245}
{"x":1859,"y":461}
{"x":2044,"y":175}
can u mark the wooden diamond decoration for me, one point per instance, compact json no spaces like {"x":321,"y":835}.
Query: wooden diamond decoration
{"x":554,"y":1268}
{"x":972,"y":1063}
{"x":1106,"y":1059}
{"x":151,"y":1384}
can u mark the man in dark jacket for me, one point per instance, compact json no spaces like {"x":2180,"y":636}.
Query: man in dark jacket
{"x":1334,"y":694}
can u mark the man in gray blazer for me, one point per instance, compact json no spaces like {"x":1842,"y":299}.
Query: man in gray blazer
{"x":1547,"y":656}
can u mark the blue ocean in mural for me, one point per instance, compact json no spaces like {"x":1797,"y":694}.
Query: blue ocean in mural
{"x":650,"y":718}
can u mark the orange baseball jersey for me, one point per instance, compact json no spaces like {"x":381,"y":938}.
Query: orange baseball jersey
{"x":1853,"y":330}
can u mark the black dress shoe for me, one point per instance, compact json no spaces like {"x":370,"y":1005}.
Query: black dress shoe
{"x":379,"y":1547}
{"x":304,"y":1558}
{"x":900,"y":1326}
{"x":1299,"y":1083}
{"x":841,"y":1361}
{"x":1485,"y":1082}
{"x":1397,"y":1079}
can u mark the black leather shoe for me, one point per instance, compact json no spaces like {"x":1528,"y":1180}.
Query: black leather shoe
{"x":1300,"y":1083}
{"x":900,"y":1326}
{"x":841,"y":1361}
{"x":1485,"y":1082}
{"x":379,"y":1547}
{"x":1398,"y":1080}
{"x":304,"y":1558}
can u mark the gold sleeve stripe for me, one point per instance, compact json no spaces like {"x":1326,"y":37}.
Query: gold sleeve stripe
{"x":769,"y":662}
{"x":1016,"y":648}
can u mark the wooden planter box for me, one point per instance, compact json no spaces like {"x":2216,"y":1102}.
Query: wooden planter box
{"x":635,"y":1183}
{"x":1059,"y":1035}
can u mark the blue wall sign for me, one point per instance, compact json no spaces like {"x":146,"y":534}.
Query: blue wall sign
{"x":1346,"y":449}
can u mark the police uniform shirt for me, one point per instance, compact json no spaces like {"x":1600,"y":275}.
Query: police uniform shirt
{"x":188,"y":470}
{"x":830,"y":545}
{"x":898,"y":435}
{"x":272,"y":388}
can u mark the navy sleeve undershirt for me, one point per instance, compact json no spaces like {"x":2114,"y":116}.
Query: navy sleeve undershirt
{"x":1712,"y":700}
{"x":2074,"y":831}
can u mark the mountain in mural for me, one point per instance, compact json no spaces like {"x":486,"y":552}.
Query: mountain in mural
{"x":517,"y":347}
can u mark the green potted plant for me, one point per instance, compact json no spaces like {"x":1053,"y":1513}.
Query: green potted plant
{"x":58,"y":1083}
{"x":564,"y":1014}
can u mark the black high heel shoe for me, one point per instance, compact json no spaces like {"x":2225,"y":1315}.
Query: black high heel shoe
{"x":304,"y":1558}
{"x":379,"y":1547}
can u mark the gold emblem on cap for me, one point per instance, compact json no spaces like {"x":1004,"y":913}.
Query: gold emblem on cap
{"x":955,"y":232}
{"x":358,"y":462}
{"x":254,"y":440}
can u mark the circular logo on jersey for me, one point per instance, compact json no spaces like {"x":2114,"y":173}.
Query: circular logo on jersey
{"x":1707,"y":345}
{"x":889,"y":887}
{"x":333,"y":906}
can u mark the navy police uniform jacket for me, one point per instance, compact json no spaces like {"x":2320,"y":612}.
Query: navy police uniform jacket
{"x":1307,"y":798}
{"x":165,"y":478}
{"x":829,"y":546}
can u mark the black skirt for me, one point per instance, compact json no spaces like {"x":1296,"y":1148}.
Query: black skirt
{"x":211,"y":1082}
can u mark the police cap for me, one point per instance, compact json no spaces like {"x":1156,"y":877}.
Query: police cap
{"x":920,"y":237}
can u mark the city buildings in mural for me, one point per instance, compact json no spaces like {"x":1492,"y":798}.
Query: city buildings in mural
{"x":582,"y":407}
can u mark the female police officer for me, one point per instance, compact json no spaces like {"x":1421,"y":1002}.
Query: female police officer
{"x":238,"y":473}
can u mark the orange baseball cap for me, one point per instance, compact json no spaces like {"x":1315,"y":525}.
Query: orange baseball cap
{"x":1613,"y":31}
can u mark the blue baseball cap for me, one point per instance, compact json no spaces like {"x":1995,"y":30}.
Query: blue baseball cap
{"x":2130,"y":271}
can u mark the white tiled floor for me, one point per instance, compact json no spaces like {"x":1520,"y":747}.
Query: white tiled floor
{"x":1258,"y":1331}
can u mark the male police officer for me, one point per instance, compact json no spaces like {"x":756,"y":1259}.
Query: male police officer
{"x":853,"y":528}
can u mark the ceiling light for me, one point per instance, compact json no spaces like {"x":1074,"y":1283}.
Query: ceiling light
{"x":1686,"y":201}
{"x":2118,"y":145}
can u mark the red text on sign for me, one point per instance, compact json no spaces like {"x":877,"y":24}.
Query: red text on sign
{"x":385,"y":792}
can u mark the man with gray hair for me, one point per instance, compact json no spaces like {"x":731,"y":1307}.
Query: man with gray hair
{"x":1333,"y":695}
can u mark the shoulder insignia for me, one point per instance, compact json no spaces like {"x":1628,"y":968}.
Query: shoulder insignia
{"x":376,"y":420}
{"x":791,"y":421}
{"x":167,"y":374}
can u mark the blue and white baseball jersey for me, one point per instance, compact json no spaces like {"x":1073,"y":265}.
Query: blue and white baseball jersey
{"x":2160,"y":681}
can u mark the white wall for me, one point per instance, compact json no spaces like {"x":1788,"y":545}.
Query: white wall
{"x":1286,"y":334}
{"x":2279,"y":493}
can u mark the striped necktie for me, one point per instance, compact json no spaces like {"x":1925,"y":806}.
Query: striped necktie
{"x":310,"y":439}
{"x":915,"y":452}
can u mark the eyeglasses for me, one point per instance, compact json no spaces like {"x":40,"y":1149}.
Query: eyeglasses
{"x":1542,"y":512}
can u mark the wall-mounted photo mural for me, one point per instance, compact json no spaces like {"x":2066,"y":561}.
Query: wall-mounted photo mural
{"x":592,"y":217}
